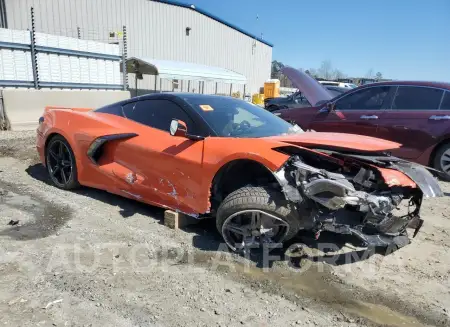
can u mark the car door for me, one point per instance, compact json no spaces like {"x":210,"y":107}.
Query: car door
{"x":356,"y":112}
{"x":304,"y":114}
{"x":166,"y":169}
{"x":414,"y":120}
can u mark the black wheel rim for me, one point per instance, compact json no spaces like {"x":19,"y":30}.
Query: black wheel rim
{"x":249,"y":229}
{"x":59,"y":163}
{"x":445,"y":161}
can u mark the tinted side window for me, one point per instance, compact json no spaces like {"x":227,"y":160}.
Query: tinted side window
{"x":113,"y":109}
{"x":157,"y":114}
{"x":417,"y":98}
{"x":445,"y":105}
{"x":372,"y":98}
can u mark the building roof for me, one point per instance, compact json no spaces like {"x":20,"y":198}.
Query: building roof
{"x":206,"y":13}
{"x":183,"y":70}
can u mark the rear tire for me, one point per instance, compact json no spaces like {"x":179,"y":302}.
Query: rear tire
{"x":61,"y":164}
{"x":441,"y":161}
{"x":270,"y":203}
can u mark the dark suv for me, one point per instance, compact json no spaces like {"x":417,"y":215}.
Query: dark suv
{"x":414,"y":114}
{"x":297,"y":99}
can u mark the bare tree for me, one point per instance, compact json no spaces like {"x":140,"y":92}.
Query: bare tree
{"x":313,"y":72}
{"x":285,"y":81}
{"x":337,"y":74}
{"x":379,"y":76}
{"x":325,"y":70}
{"x":370,"y":73}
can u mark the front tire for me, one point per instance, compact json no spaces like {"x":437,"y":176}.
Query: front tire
{"x":61,"y":164}
{"x":442,"y":161}
{"x":251,"y":216}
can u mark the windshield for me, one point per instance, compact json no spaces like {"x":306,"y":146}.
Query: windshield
{"x":336,"y":92}
{"x":230,"y":117}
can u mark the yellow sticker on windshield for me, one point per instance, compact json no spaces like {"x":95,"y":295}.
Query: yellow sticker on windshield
{"x":206,"y":107}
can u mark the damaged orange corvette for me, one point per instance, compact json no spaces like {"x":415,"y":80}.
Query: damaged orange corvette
{"x":261,"y":178}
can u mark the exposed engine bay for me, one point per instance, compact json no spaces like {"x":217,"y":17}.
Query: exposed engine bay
{"x":375,"y":198}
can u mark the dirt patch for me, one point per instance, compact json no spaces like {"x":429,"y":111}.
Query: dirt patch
{"x":312,"y":285}
{"x":47,"y":217}
{"x":19,"y":145}
{"x":80,"y":259}
{"x":18,"y":153}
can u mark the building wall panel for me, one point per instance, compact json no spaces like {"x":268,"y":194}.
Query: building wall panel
{"x":155,"y":30}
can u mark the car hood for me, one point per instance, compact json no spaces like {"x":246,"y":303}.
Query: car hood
{"x":338,"y":141}
{"x":311,"y":89}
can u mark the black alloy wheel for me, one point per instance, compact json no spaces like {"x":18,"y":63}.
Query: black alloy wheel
{"x":61,"y":164}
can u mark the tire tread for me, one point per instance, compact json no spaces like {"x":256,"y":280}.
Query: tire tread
{"x":262,"y":198}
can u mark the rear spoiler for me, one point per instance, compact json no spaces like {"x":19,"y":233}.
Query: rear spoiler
{"x":48,"y":108}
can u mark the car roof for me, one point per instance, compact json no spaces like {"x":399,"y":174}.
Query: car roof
{"x":335,"y":87}
{"x":329,"y":83}
{"x":167,"y":95}
{"x":442,"y":85}
{"x":181,"y":95}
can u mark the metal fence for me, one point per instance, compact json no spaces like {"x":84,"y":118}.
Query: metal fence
{"x":38,"y":60}
{"x":3,"y":18}
{"x":155,"y":29}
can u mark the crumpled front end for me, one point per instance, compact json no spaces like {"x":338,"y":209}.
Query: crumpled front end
{"x":375,"y":199}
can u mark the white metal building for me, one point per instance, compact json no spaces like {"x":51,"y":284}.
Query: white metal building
{"x":157,"y":29}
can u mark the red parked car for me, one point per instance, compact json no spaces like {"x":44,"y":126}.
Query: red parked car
{"x":415,"y":114}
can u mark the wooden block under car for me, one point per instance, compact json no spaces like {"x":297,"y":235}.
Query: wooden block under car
{"x":176,"y":220}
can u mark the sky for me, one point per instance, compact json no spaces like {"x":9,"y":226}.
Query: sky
{"x":402,"y":39}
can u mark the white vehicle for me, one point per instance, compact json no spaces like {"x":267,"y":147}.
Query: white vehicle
{"x":339,"y":84}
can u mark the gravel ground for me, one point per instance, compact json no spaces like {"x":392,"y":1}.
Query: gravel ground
{"x":89,"y":258}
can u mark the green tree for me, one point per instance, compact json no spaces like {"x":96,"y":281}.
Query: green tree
{"x":277,"y":66}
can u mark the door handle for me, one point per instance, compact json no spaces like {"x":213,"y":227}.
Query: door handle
{"x":277,"y":113}
{"x":439,"y":117}
{"x":369,"y":117}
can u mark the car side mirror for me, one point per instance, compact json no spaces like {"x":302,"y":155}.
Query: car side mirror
{"x":331,"y":106}
{"x":178,"y":128}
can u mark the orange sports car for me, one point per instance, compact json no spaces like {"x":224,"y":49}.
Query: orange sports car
{"x":261,"y":178}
